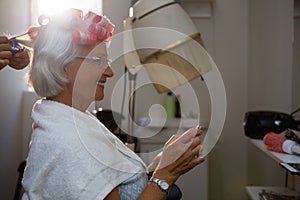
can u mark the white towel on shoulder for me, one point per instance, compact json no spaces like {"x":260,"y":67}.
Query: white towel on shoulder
{"x":73,"y":156}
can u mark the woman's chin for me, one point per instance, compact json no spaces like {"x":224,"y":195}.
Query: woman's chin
{"x":99,"y":93}
{"x":99,"y":98}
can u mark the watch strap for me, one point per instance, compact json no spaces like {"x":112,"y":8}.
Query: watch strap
{"x":159,"y":183}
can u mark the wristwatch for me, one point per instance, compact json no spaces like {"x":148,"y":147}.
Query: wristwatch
{"x":162,"y":184}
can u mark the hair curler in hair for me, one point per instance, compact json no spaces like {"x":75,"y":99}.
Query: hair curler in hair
{"x":95,"y":18}
{"x":107,"y":24}
{"x":92,"y":28}
{"x":278,"y":143}
{"x":102,"y":33}
{"x":100,"y":26}
{"x":84,"y":38}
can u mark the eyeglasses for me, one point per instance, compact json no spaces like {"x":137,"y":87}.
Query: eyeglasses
{"x":102,"y":61}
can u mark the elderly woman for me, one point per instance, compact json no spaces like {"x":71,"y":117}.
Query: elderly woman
{"x":72,"y":155}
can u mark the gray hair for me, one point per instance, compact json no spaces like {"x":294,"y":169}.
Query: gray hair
{"x":53,"y":49}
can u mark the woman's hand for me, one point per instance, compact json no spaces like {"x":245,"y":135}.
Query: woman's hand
{"x":152,"y":166}
{"x":180,"y":154}
{"x":17,"y":61}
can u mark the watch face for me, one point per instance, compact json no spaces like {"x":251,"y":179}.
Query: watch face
{"x":164,"y":185}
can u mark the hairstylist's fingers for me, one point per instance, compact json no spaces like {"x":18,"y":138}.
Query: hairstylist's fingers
{"x":21,"y":55}
{"x":5,"y":47}
{"x":3,"y":39}
{"x":3,"y":63}
{"x":20,"y":60}
{"x":4,"y":44}
{"x":5,"y":54}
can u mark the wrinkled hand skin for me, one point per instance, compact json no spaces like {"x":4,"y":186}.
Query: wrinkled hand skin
{"x":180,"y":154}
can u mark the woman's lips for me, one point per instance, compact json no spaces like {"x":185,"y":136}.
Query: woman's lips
{"x":101,"y":83}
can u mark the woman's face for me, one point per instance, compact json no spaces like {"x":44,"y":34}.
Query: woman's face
{"x":87,"y":75}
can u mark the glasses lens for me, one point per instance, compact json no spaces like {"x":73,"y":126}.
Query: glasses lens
{"x":104,"y":62}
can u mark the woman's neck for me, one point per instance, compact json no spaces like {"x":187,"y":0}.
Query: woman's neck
{"x":70,"y":101}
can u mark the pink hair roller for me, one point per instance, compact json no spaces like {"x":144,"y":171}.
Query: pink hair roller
{"x":95,"y":18}
{"x":105,"y":32}
{"x":83,"y":38}
{"x":92,"y":28}
{"x":107,"y":25}
{"x":102,"y":33}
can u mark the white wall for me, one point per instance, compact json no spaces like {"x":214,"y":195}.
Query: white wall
{"x":270,"y":76}
{"x":227,"y":161}
{"x":13,"y":19}
{"x":271,"y":55}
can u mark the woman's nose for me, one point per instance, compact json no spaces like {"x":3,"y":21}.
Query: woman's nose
{"x":108,"y":72}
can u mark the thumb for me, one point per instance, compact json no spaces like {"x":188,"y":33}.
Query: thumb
{"x":3,"y":63}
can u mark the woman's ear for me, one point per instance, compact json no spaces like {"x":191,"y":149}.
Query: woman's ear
{"x":67,"y":71}
{"x":71,"y":70}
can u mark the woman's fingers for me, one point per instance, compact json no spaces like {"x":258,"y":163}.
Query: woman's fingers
{"x":199,"y":130}
{"x":186,"y":137}
{"x":172,"y":139}
{"x":196,"y":150}
{"x":199,"y":160}
{"x":196,"y":142}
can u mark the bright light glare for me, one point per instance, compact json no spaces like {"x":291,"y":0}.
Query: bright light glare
{"x":50,"y":7}
{"x":131,"y":12}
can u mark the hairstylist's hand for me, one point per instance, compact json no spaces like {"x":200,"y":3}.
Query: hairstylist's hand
{"x":180,"y":154}
{"x":20,"y":60}
{"x":17,"y":61}
{"x":5,"y":53}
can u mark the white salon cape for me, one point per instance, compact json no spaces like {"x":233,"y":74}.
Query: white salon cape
{"x":73,"y":156}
